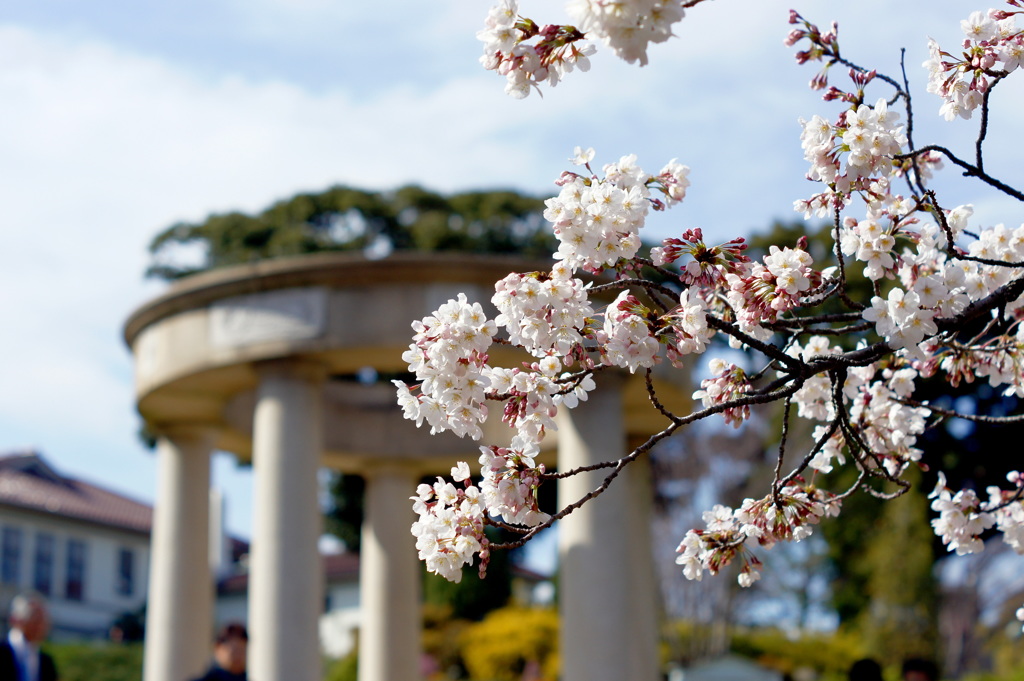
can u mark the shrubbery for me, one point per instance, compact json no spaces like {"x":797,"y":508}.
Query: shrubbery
{"x":829,"y":655}
{"x":100,"y":661}
{"x":501,"y":646}
{"x":343,"y":669}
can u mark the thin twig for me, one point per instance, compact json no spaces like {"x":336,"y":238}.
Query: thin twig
{"x":777,"y":484}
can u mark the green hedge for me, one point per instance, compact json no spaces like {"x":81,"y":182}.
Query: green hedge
{"x":97,"y":661}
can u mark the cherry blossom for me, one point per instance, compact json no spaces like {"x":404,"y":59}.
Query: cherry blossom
{"x":992,"y":49}
{"x":945,"y":299}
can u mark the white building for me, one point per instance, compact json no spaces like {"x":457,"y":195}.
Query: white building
{"x":83,"y":547}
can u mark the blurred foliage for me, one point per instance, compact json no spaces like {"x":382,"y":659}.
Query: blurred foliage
{"x":1005,"y":644}
{"x":129,"y":627}
{"x":100,"y":661}
{"x":344,"y":515}
{"x":828,"y":655}
{"x":348,"y":219}
{"x":1010,"y":675}
{"x":442,"y":640}
{"x":902,"y":614}
{"x":501,"y":646}
{"x":343,"y":669}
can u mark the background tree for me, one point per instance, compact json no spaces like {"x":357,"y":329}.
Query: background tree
{"x":348,"y":219}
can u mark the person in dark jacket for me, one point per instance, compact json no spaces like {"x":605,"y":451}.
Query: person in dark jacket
{"x":920,"y":669}
{"x":20,"y":657}
{"x":229,"y":651}
{"x":865,"y":670}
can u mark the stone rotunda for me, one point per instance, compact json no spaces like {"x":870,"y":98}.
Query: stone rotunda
{"x":260,"y":361}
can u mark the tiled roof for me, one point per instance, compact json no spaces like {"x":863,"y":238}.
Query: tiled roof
{"x":341,"y":566}
{"x":28,"y":482}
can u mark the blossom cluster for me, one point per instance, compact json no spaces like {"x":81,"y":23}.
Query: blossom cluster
{"x":992,"y":48}
{"x":934,"y":286}
{"x":449,"y":529}
{"x":543,"y":313}
{"x":759,"y":292}
{"x":961,"y":520}
{"x":626,"y":339}
{"x":511,"y":477}
{"x":727,"y":383}
{"x":963,"y":516}
{"x":597,"y":220}
{"x":786,"y":516}
{"x":706,"y":265}
{"x":628,"y":27}
{"x":448,"y":357}
{"x":527,"y":54}
{"x":690,"y":332}
{"x":854,"y":153}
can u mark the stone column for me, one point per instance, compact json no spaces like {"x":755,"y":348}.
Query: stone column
{"x":644,"y":590}
{"x":286,"y":576}
{"x":389,"y":579}
{"x":599,"y":641}
{"x":179,"y":615}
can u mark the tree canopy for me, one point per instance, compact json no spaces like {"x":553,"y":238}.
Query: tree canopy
{"x":349,"y":219}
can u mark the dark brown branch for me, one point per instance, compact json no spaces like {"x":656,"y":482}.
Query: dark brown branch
{"x":983,"y":127}
{"x":900,"y":92}
{"x":1012,"y":500}
{"x":617,"y":466}
{"x":801,"y":322}
{"x":818,"y":445}
{"x":765,"y":349}
{"x":952,"y":413}
{"x":969,"y":170}
{"x":653,"y":396}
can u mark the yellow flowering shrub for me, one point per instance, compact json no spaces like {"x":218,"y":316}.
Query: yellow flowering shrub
{"x":501,"y":646}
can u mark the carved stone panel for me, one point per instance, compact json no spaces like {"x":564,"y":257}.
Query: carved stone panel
{"x":286,"y":315}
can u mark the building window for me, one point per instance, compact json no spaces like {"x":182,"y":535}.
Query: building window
{"x":74,"y":587}
{"x":10,"y":556}
{"x":125,"y":572}
{"x":42,"y":579}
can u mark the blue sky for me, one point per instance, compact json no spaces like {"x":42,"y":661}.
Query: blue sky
{"x":119,"y":118}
